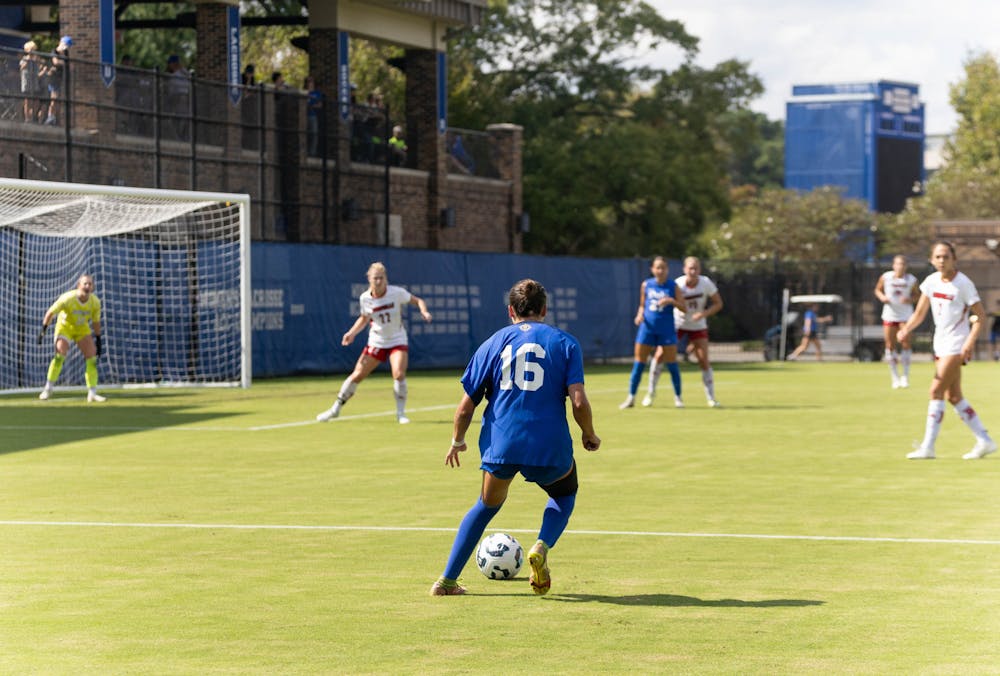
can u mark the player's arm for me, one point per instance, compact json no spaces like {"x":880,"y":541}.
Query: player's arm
{"x":668,"y":300}
{"x":919,"y":313}
{"x":713,"y":308}
{"x":880,"y":290}
{"x":914,"y":294}
{"x":359,"y":324}
{"x":976,"y":314}
{"x":463,"y":419}
{"x":46,"y":320}
{"x":642,"y":304}
{"x":419,"y":302}
{"x":584,"y":416}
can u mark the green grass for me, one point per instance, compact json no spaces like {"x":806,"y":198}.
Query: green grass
{"x":638,"y":585}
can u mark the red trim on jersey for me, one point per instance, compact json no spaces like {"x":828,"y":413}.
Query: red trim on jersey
{"x":387,"y":306}
{"x":938,"y":294}
{"x":382,"y":353}
{"x":888,"y":323}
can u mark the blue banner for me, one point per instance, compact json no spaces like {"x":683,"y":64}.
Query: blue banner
{"x":442,"y":92}
{"x":233,"y":65}
{"x":107,"y":39}
{"x":305,"y":297}
{"x":344,"y":74}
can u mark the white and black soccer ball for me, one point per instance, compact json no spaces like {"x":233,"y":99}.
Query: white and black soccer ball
{"x":499,"y":556}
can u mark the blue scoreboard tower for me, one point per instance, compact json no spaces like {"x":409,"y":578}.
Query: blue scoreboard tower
{"x":865,"y":137}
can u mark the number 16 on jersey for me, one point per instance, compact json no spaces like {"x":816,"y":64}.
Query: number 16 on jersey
{"x":522,"y":367}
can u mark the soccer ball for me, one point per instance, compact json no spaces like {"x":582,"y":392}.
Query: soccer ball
{"x":499,"y":556}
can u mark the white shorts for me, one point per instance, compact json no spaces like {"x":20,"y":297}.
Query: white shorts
{"x":948,"y":344}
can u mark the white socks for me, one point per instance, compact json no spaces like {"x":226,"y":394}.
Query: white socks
{"x":968,"y":415}
{"x":655,"y":369}
{"x":905,"y":357}
{"x":935,"y":414}
{"x":708,"y":380}
{"x":346,"y":392}
{"x":893,"y":362}
{"x":399,"y":389}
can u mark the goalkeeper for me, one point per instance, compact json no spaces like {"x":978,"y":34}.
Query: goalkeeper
{"x":79,"y":321}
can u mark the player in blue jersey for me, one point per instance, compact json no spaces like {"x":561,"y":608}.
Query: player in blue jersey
{"x":525,"y":372}
{"x":655,"y":318}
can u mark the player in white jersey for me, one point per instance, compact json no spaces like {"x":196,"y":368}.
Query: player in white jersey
{"x":897,"y":288}
{"x":701,"y":299}
{"x":957,"y":310}
{"x":382,"y":311}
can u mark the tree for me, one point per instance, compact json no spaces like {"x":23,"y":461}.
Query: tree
{"x":620,"y":157}
{"x":968,"y":185}
{"x":148,"y":47}
{"x":787,"y":225}
{"x":270,"y":48}
{"x":755,"y":147}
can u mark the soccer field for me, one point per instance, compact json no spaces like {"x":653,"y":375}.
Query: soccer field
{"x":223,"y":531}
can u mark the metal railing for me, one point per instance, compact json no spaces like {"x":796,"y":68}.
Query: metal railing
{"x":159,"y":129}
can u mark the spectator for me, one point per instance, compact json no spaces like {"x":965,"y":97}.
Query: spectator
{"x":277,"y":80}
{"x":397,"y":147}
{"x":31,"y":83}
{"x":56,"y":73}
{"x":249,"y":75}
{"x":178,"y":95}
{"x":810,"y":332}
{"x":460,"y":158}
{"x":314,"y":105}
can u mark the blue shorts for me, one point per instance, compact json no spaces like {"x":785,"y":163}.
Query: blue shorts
{"x":648,"y":336}
{"x":543,"y":475}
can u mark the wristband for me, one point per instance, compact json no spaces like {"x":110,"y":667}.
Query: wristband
{"x":457,"y":444}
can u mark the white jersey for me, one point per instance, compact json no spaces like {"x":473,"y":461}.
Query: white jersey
{"x":385,"y":314}
{"x":695,"y":300}
{"x":896,"y":289}
{"x":950,"y":303}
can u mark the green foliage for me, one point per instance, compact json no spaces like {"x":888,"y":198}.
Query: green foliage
{"x":620,"y":158}
{"x":270,"y":48}
{"x":371,"y":72}
{"x":755,"y":147}
{"x":150,"y":48}
{"x":819,"y":225}
{"x":968,"y":185}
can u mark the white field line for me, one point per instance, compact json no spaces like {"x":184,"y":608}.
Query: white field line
{"x":422,"y":529}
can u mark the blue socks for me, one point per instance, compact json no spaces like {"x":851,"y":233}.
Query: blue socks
{"x":469,"y":532}
{"x":633,"y":383}
{"x":675,"y":376}
{"x":556,"y":518}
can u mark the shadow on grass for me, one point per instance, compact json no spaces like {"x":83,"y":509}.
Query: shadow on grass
{"x":675,"y":600}
{"x":30,"y":426}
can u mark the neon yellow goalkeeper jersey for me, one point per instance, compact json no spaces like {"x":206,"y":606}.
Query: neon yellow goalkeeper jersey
{"x":76,"y":317}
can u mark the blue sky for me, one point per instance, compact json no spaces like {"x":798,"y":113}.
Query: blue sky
{"x":807,"y":41}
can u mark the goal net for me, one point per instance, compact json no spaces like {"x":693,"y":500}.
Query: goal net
{"x":171,"y":269}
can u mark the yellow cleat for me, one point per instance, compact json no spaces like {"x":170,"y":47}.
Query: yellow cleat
{"x":538,"y":560}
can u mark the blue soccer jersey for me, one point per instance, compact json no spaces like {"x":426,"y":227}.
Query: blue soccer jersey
{"x":659,"y":320}
{"x":524,"y":371}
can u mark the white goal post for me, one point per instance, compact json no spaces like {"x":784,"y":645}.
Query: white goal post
{"x":171,"y":269}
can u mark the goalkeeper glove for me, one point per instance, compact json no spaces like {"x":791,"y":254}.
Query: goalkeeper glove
{"x":41,"y":334}
{"x":99,"y":344}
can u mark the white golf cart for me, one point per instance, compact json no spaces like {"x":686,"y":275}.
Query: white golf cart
{"x":864,"y":343}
